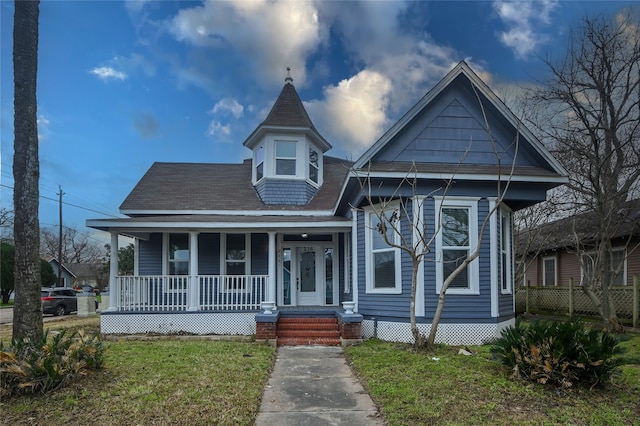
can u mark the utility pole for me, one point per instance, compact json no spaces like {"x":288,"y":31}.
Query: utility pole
{"x":60,"y":238}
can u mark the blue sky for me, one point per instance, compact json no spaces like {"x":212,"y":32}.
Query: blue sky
{"x":124,"y":84}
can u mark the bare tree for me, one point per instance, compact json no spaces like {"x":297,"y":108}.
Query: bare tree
{"x":27,"y":312}
{"x":77,"y":247}
{"x":390,"y":210}
{"x":6,"y":225}
{"x":590,"y":109}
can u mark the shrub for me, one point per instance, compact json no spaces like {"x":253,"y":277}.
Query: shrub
{"x":558,"y":353}
{"x":42,"y":365}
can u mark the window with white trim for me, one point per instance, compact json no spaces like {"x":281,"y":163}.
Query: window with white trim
{"x":285,"y":158}
{"x":457,"y":237}
{"x":549,"y":272}
{"x":178,"y":254}
{"x":617,"y":267}
{"x":177,"y":262}
{"x":505,"y":252}
{"x":314,"y":167}
{"x":259,"y":162}
{"x":236,"y":261}
{"x":383,"y":269}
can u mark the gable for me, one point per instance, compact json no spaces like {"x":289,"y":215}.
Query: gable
{"x":447,"y":126}
{"x":452,"y":129}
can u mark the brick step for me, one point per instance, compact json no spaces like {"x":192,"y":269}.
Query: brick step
{"x":305,"y":320}
{"x":308,"y":333}
{"x":307,"y":326}
{"x":299,"y":341}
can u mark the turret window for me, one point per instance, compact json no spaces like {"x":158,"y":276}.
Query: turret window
{"x":313,"y":166}
{"x":285,"y":158}
{"x":259,"y":162}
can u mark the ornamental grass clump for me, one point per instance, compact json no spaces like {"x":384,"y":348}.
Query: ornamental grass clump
{"x":42,"y":365}
{"x":558,"y":353}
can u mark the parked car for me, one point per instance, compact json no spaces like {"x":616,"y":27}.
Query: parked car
{"x":59,"y":301}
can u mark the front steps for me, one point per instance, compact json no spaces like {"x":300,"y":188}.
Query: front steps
{"x":293,"y":331}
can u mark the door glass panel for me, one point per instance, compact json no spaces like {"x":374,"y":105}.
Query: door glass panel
{"x":286,"y":276}
{"x":307,"y":270}
{"x":328,"y":271}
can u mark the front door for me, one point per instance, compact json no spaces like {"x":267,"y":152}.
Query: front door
{"x":309,"y":280}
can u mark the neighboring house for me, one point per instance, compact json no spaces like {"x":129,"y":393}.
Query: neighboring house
{"x":68,"y":277}
{"x":87,"y":274}
{"x":553,"y":257}
{"x":292,"y":224}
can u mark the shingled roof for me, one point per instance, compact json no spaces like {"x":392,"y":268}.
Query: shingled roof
{"x":172,"y":187}
{"x":288,"y":110}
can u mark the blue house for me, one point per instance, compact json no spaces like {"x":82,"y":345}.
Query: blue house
{"x":300,"y":229}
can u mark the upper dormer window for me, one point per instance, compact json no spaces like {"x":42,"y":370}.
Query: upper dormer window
{"x":259,"y":162}
{"x":313,"y":165}
{"x":285,"y":158}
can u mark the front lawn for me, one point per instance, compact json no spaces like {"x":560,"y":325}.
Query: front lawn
{"x":446,"y":388}
{"x":202,"y":382}
{"x":162,"y":382}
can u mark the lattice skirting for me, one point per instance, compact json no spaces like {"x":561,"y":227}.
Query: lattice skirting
{"x":239,"y":323}
{"x":451,"y":334}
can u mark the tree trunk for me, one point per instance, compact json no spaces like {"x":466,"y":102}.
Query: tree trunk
{"x":27,"y":313}
{"x":418,"y":337}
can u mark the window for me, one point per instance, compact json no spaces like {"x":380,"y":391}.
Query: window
{"x":313,"y":166}
{"x":178,"y":254}
{"x":177,"y":262}
{"x":236,"y":262}
{"x":505,"y":252}
{"x":549,"y":271}
{"x":383,"y":261}
{"x":458,"y":235}
{"x":259,"y":162}
{"x":285,"y":158}
{"x":616,"y":266}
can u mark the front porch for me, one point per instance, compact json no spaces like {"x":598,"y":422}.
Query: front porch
{"x":180,"y":293}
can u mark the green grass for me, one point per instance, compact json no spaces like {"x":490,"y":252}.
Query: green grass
{"x":443,"y":387}
{"x":201,"y":382}
{"x":192,"y":382}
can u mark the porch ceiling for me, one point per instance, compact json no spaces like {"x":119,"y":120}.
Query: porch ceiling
{"x":143,"y":225}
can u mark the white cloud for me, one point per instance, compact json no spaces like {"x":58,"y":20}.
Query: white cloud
{"x":228,"y":105}
{"x":521,"y":19}
{"x":217,"y":129}
{"x":106,"y":73}
{"x":354,"y":111}
{"x":43,"y":128}
{"x":273,"y":34}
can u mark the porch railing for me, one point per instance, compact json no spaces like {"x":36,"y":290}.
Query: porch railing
{"x":175,"y":292}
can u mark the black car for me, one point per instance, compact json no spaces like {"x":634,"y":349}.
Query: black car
{"x":59,"y":301}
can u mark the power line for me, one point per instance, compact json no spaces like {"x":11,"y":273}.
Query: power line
{"x":68,"y":204}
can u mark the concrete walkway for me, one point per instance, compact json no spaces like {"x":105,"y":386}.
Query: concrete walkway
{"x":313,"y":385}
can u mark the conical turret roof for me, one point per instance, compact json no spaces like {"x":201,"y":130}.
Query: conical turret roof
{"x":287,"y":112}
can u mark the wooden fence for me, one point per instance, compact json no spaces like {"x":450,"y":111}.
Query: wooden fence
{"x":571,"y":300}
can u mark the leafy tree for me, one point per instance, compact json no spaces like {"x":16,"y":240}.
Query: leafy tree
{"x":125,"y":259}
{"x":27,"y":313}
{"x":7,"y":254}
{"x":589,"y":111}
{"x":47,"y":275}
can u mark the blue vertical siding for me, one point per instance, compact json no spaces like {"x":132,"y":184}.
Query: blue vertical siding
{"x":150,"y":255}
{"x":208,"y":254}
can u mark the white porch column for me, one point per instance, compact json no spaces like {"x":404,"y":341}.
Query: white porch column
{"x":354,"y":257}
{"x":114,"y":288}
{"x":193,"y":288}
{"x":271,"y":293}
